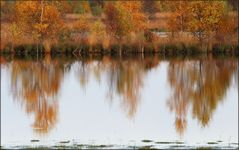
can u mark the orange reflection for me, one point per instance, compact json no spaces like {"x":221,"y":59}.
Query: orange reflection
{"x":196,"y":84}
{"x":35,"y":85}
{"x":125,"y":77}
{"x":200,"y":85}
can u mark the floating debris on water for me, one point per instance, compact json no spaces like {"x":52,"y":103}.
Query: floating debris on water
{"x":147,"y":141}
{"x":35,"y":140}
{"x":64,"y":142}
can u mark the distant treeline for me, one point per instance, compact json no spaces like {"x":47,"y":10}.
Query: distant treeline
{"x":96,"y":6}
{"x":119,"y":26}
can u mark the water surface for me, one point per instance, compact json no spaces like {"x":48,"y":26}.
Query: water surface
{"x":120,"y":102}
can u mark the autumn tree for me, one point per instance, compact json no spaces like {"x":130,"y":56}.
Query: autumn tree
{"x":234,"y":4}
{"x":123,"y":18}
{"x":201,"y":18}
{"x":7,"y":9}
{"x":15,"y":35}
{"x":40,"y":19}
{"x":80,"y":7}
{"x":179,"y":16}
{"x":98,"y":34}
{"x":150,"y":7}
{"x":82,"y":32}
{"x":96,"y":7}
{"x":228,"y":29}
{"x":205,"y":18}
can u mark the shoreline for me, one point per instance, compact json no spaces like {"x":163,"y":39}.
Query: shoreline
{"x":117,"y":49}
{"x":62,"y":57}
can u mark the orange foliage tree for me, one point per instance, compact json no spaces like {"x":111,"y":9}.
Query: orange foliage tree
{"x":179,"y":16}
{"x":123,"y":18}
{"x":99,"y":35}
{"x":82,"y":27}
{"x":40,"y":19}
{"x":81,"y":7}
{"x":227,"y":32}
{"x":202,"y":18}
{"x":205,"y":18}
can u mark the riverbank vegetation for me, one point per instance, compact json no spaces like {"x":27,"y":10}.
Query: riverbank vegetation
{"x":118,"y":27}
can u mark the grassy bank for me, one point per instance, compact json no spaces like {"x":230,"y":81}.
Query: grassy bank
{"x":69,"y":57}
{"x":84,"y":49}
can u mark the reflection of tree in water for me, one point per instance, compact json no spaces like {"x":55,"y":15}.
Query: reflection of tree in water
{"x":201,"y":84}
{"x":83,"y":72}
{"x":125,"y":77}
{"x":35,"y":85}
{"x":197,"y":84}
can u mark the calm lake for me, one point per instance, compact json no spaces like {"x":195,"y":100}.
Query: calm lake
{"x":111,"y":102}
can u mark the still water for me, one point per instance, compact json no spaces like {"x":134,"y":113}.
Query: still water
{"x":120,"y":102}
